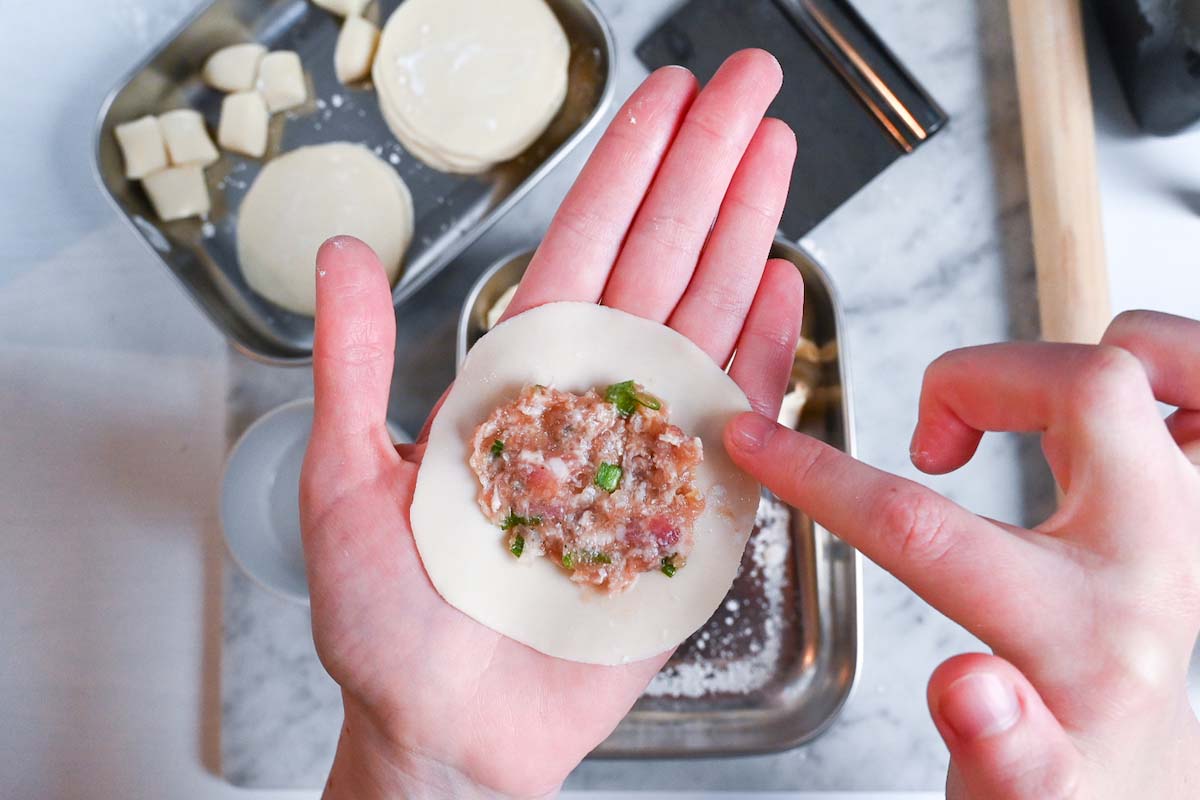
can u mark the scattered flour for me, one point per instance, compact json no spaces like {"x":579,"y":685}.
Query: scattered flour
{"x":729,"y":664}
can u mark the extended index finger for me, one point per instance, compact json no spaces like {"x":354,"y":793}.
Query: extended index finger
{"x":578,"y":251}
{"x":969,"y":568}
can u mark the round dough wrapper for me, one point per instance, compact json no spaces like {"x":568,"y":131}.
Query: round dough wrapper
{"x":474,"y":79}
{"x":434,"y":158}
{"x":574,"y":347}
{"x":308,"y":195}
{"x":440,"y":159}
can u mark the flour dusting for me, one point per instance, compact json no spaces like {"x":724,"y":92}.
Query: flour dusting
{"x":739,"y":651}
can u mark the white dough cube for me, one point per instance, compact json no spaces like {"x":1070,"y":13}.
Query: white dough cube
{"x":345,"y":8}
{"x":244,"y":124}
{"x":281,"y":80}
{"x":142,"y":147}
{"x":178,"y":192}
{"x":355,"y":49}
{"x":234,"y":68}
{"x":187,"y":139}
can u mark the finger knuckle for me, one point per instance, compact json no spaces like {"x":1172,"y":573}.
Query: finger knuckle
{"x":917,"y":524}
{"x":1054,"y":779}
{"x":1126,"y":324}
{"x":725,"y":299}
{"x":586,"y":225}
{"x":1106,"y":374}
{"x":805,"y":461}
{"x":711,"y":129}
{"x":761,"y":214}
{"x":673,"y":233}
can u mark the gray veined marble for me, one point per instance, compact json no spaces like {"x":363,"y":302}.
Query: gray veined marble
{"x":934,"y":254}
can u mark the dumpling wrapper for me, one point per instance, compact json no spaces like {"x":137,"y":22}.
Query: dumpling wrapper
{"x":574,"y":347}
{"x":439,"y":64}
{"x":304,"y":197}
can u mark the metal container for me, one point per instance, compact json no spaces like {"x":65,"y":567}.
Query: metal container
{"x":451,"y":211}
{"x":776,"y":663}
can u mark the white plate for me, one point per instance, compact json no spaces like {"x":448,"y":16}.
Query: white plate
{"x":260,"y":498}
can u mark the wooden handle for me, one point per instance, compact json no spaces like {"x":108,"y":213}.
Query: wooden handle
{"x":1060,"y":159}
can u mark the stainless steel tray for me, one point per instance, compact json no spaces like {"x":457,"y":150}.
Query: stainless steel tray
{"x":778,"y":660}
{"x":451,"y":210}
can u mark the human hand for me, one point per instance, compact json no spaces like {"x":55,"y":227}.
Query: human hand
{"x":437,"y":705}
{"x":1093,"y":614}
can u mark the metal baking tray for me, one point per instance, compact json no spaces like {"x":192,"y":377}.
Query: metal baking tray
{"x":451,"y":210}
{"x":776,"y":663}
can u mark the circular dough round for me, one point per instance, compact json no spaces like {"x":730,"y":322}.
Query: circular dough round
{"x":308,"y":195}
{"x":472,"y":81}
{"x":574,"y":347}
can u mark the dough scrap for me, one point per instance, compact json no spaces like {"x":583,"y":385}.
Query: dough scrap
{"x":575,"y":346}
{"x":245,"y":123}
{"x":178,"y":192}
{"x":465,"y":84}
{"x":355,"y":50}
{"x":281,"y":80}
{"x":234,"y":68}
{"x":186,"y":138}
{"x":308,"y":195}
{"x":142,"y":147}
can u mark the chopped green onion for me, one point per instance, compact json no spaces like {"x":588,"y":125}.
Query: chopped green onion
{"x":518,"y":545}
{"x":648,"y":400}
{"x":627,"y":398}
{"x":668,"y":566}
{"x":513,"y":520}
{"x":608,"y":477}
{"x":600,"y":558}
{"x":497,"y":447}
{"x":568,"y":560}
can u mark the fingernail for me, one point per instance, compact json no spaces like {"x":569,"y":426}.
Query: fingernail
{"x":979,"y":705}
{"x":751,"y":431}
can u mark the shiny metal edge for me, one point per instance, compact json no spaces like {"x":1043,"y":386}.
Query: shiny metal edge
{"x":851,"y":448}
{"x":399,"y":293}
{"x":97,"y":141}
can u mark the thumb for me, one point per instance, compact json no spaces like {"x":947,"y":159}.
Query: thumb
{"x":1003,"y":741}
{"x":353,"y":353}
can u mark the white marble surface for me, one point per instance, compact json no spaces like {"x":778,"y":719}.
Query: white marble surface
{"x":117,"y":399}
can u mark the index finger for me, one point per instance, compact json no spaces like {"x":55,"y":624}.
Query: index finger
{"x":967,"y":567}
{"x":574,"y":258}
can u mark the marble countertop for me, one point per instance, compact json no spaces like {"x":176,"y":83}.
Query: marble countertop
{"x":119,"y":400}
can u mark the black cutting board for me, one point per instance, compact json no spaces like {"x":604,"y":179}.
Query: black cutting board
{"x":842,"y":145}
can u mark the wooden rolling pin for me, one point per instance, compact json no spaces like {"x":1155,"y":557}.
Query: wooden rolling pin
{"x":1060,"y":161}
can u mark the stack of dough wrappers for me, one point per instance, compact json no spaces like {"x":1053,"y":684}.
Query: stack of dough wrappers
{"x":467,"y":84}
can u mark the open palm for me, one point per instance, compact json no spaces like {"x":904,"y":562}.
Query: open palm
{"x":672,"y":219}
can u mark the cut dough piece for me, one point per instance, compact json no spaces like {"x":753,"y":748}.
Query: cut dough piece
{"x":142,"y":147}
{"x":440,"y":62}
{"x":178,"y":192}
{"x":576,"y":346}
{"x":355,"y":49}
{"x":345,"y":8}
{"x":281,"y":80}
{"x":308,"y":195}
{"x":234,"y":68}
{"x":244,"y":124}
{"x":187,"y":139}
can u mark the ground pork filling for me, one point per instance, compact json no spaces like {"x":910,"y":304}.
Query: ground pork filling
{"x":601,"y":482}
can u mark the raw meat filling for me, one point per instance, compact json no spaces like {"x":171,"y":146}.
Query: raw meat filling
{"x":602,"y":482}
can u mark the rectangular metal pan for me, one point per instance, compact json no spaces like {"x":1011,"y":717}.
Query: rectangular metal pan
{"x":776,"y":663}
{"x":451,"y":210}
